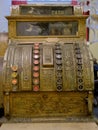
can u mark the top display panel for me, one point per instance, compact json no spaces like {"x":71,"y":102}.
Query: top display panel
{"x":46,"y":10}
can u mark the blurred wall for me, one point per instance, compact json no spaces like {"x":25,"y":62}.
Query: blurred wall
{"x":4,"y":11}
{"x":94,"y":50}
{"x":3,"y":43}
{"x":93,"y":40}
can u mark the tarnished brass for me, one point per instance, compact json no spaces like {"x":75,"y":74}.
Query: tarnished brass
{"x":22,"y":26}
{"x":66,"y":74}
{"x":47,"y":68}
{"x":48,"y":56}
{"x":48,"y":104}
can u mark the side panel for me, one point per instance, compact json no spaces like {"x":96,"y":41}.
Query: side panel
{"x":8,"y":62}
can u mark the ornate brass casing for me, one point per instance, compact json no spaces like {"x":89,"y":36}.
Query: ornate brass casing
{"x":50,"y":61}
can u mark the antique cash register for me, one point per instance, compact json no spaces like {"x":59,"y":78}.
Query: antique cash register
{"x":47,"y":68}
